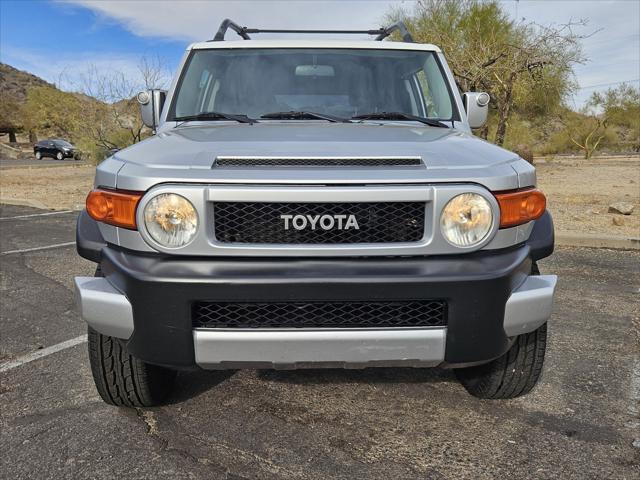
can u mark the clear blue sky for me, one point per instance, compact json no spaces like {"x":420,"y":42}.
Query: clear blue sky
{"x":58,"y":40}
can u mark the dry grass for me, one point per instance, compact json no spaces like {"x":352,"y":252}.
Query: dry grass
{"x":58,"y":188}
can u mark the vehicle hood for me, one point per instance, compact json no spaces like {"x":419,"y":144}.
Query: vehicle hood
{"x":188,"y":154}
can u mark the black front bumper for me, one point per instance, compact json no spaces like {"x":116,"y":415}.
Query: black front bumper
{"x":162,"y":289}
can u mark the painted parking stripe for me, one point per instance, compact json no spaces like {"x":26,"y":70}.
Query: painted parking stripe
{"x":47,"y":214}
{"x":18,"y":362}
{"x":37,"y":249}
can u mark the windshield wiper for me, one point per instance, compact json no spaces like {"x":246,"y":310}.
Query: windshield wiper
{"x":304,"y":115}
{"x":217,"y":116}
{"x":399,"y":116}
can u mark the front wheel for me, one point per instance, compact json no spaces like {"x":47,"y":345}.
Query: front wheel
{"x":59,"y":156}
{"x":123,"y":380}
{"x":513,"y":374}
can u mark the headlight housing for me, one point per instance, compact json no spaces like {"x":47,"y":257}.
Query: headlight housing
{"x":171,"y":220}
{"x":466,"y":220}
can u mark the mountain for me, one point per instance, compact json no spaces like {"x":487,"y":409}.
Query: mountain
{"x":14,"y":83}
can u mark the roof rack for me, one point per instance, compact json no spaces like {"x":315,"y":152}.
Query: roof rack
{"x":381,"y":33}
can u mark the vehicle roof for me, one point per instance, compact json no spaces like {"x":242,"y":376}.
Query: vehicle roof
{"x":321,"y":43}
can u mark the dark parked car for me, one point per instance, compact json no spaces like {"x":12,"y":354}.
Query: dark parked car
{"x":59,"y":149}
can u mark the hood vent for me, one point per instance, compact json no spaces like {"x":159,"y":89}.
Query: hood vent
{"x":262,"y":161}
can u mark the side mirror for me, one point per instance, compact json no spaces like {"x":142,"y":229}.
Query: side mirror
{"x":151,"y":103}
{"x":477,"y":106}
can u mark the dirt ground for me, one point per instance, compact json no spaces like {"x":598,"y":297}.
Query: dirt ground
{"x":579,"y":191}
{"x":57,"y":188}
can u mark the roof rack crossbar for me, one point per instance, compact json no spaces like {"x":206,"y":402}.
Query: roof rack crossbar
{"x":381,"y":33}
{"x":230,"y":24}
{"x":377,"y":31}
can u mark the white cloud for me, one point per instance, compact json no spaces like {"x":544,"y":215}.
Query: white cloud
{"x":614,"y":51}
{"x":196,"y":20}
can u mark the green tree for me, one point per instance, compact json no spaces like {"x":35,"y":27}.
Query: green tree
{"x":10,"y":121}
{"x":621,"y":107}
{"x":523,"y":66}
{"x":586,"y":130}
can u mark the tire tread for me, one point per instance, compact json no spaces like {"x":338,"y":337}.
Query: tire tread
{"x":513,"y":374}
{"x":123,"y":380}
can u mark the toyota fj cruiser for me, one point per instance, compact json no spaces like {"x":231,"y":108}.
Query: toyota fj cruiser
{"x":314,"y":204}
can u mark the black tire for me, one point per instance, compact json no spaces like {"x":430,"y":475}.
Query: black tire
{"x":513,"y":374}
{"x":121,"y":379}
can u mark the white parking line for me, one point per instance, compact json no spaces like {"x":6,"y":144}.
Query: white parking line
{"x":634,"y":405}
{"x":37,"y":215}
{"x":42,"y":353}
{"x":36,"y":249}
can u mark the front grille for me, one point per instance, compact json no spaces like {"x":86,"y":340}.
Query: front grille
{"x":391,"y":314}
{"x":318,"y":162}
{"x":261,"y":223}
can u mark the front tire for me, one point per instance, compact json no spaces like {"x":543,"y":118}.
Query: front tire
{"x":513,"y":374}
{"x":123,"y":380}
{"x":59,"y":156}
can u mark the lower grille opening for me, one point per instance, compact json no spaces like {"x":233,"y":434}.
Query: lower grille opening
{"x":385,"y":314}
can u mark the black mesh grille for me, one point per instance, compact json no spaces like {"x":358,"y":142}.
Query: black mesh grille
{"x":417,"y":313}
{"x":317,"y":162}
{"x":386,"y":222}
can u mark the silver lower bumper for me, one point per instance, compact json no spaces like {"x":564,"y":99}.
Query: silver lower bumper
{"x":109,"y":312}
{"x":339,"y":348}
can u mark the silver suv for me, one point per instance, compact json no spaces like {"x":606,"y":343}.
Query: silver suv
{"x":314,"y":204}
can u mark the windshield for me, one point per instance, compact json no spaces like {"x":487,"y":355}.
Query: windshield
{"x":340,"y":82}
{"x":62,"y":143}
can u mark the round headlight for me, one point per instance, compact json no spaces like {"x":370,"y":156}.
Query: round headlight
{"x":171,"y":220}
{"x":466,"y":220}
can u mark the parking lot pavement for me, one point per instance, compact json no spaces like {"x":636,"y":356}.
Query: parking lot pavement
{"x":580,"y":422}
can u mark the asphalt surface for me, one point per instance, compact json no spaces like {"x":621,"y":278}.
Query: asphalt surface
{"x":580,"y":422}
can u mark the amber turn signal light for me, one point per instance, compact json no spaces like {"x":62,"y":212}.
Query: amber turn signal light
{"x":113,"y":207}
{"x":520,"y":206}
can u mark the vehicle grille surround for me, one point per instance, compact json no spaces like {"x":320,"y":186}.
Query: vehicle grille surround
{"x":318,"y":162}
{"x":261,"y":223}
{"x":320,"y":315}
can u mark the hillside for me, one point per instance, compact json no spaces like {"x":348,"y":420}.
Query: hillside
{"x":14,"y":83}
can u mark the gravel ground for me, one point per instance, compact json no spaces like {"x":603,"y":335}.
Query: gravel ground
{"x":580,"y":422}
{"x":580,"y":191}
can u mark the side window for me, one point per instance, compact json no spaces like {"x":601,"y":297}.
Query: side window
{"x":434,"y":89}
{"x":414,"y":97}
{"x":205,"y":97}
{"x":421,"y":80}
{"x":196,"y":87}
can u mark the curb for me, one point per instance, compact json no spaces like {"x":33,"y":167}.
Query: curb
{"x":43,"y":165}
{"x":23,"y":202}
{"x":597,"y":241}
